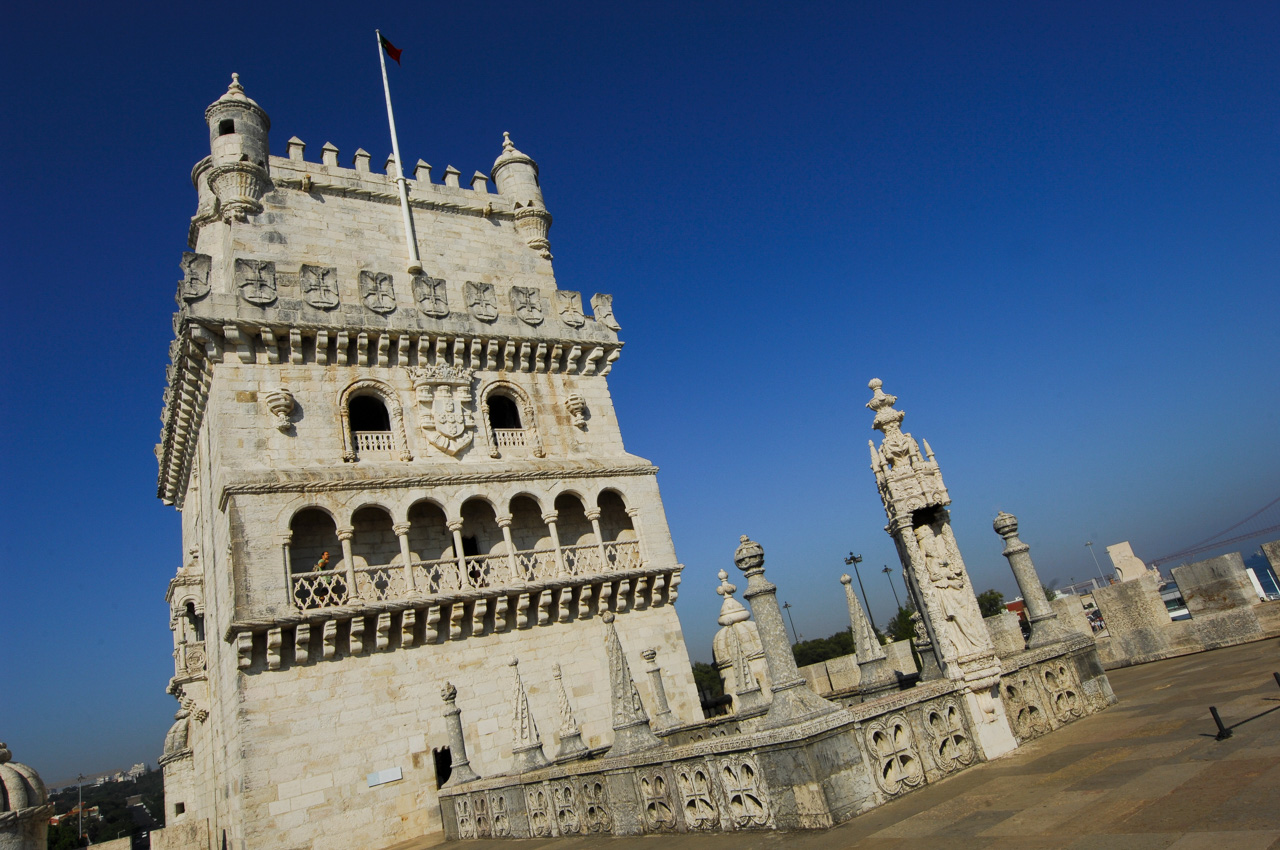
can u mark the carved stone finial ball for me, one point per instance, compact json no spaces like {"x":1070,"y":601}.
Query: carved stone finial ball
{"x":1005,"y":524}
{"x":5,"y":755}
{"x":846,"y":579}
{"x":448,"y":693}
{"x":875,"y":384}
{"x":607,"y":616}
{"x":555,"y":670}
{"x":749,"y":555}
{"x":514,"y":662}
{"x":648,"y":654}
{"x":722,"y":575}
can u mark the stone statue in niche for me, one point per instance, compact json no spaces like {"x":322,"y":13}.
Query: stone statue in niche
{"x":602,"y":306}
{"x":319,"y":286}
{"x":527,"y":304}
{"x":965,"y":629}
{"x":195,"y":276}
{"x":444,"y":399}
{"x":481,"y":301}
{"x":569,"y":305}
{"x":376,"y":291}
{"x":430,"y":294}
{"x":256,"y":280}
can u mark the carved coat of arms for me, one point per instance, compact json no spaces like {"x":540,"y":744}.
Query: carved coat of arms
{"x":195,"y":276}
{"x":256,"y":280}
{"x":376,"y":292}
{"x":569,"y":305}
{"x":481,"y":301}
{"x":319,"y":286}
{"x":602,"y":306}
{"x":430,"y":294}
{"x":527,"y":304}
{"x":444,"y":398}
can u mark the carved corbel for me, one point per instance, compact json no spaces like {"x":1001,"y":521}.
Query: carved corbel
{"x":281,"y":404}
{"x":244,"y":650}
{"x":577,"y":407}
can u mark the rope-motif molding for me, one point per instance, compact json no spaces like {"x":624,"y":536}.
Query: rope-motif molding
{"x":427,"y":480}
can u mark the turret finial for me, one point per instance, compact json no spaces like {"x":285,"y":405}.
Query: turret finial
{"x":507,"y":146}
{"x":235,"y":87}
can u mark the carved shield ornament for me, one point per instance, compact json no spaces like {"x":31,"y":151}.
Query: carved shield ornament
{"x":319,"y":286}
{"x":527,"y":303}
{"x":447,"y":413}
{"x":376,"y":292}
{"x":481,"y":301}
{"x":602,"y":306}
{"x":195,"y":276}
{"x":569,"y":305}
{"x":430,"y":294}
{"x":256,"y":280}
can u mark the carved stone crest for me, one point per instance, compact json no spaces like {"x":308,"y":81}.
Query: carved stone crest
{"x":376,"y":291}
{"x":195,"y":276}
{"x":481,"y":301}
{"x":430,"y":294}
{"x":569,"y":305}
{"x":527,"y":304}
{"x":256,"y":280}
{"x":319,"y":286}
{"x":602,"y":306}
{"x":444,"y":398}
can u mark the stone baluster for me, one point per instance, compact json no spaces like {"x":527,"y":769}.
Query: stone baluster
{"x":344,"y":536}
{"x":793,"y":700}
{"x":631,"y":730}
{"x":402,"y":535}
{"x":527,"y":751}
{"x":550,"y":519}
{"x":571,"y":746}
{"x":662,"y":718}
{"x":594,"y":516}
{"x":455,"y":528}
{"x":461,"y":771}
{"x":504,"y":523}
{"x":1045,"y":627}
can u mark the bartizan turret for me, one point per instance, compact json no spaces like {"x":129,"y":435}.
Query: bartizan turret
{"x":516,"y":176}
{"x":238,"y":142}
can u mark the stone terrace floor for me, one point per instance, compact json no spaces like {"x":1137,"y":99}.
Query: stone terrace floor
{"x":1145,"y":774}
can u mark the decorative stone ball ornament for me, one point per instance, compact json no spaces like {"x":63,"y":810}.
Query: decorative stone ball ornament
{"x":1006,"y":525}
{"x":749,"y":556}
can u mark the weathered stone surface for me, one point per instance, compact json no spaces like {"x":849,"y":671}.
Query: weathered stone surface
{"x":1215,"y":585}
{"x":1006,"y":633}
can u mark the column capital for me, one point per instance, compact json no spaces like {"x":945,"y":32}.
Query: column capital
{"x":550,"y":517}
{"x":454,"y":524}
{"x":593,"y":514}
{"x":286,"y":538}
{"x":633,"y":512}
{"x":346,"y":532}
{"x":401,"y":529}
{"x":504,"y":521}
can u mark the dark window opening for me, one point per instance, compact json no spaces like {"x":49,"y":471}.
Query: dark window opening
{"x":368,"y":414}
{"x":444,"y":765}
{"x":503,"y":412}
{"x":196,"y":621}
{"x":469,"y":547}
{"x":179,"y":808}
{"x":226,"y":127}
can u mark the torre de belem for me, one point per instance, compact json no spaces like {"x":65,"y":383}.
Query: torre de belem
{"x":420,"y":567}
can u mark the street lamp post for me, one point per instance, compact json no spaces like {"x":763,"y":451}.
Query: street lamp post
{"x":80,"y":805}
{"x":853,"y":561}
{"x":1089,"y":544}
{"x":889,"y":574}
{"x":794,"y":633}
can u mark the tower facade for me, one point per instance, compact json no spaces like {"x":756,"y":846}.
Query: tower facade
{"x":388,"y":482}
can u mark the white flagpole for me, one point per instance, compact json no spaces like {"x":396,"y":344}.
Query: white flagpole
{"x":415,"y":265}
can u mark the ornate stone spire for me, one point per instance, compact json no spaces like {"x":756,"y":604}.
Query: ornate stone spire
{"x":527,"y":751}
{"x":571,"y":746}
{"x":865,"y":644}
{"x":748,"y":699}
{"x":731,"y":610}
{"x":24,"y":805}
{"x":631,"y":730}
{"x":908,"y":481}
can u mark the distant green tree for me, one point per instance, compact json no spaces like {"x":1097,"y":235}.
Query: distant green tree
{"x":901,"y":627}
{"x":707,"y":678}
{"x":990,"y":602}
{"x":823,"y":649}
{"x":1049,"y":592}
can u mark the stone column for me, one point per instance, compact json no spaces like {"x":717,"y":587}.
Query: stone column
{"x":873,"y":666}
{"x":285,"y":540}
{"x":663,"y":719}
{"x":631,"y":730}
{"x":461,"y":771}
{"x":634,"y":513}
{"x":550,"y":519}
{"x":402,"y":535}
{"x":1045,"y":627}
{"x":526,"y":752}
{"x":455,"y":528}
{"x":792,"y":701}
{"x":344,"y":537}
{"x":594,"y":516}
{"x":504,"y":522}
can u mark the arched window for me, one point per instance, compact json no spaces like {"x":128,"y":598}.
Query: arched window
{"x":503,"y":413}
{"x":195,"y":622}
{"x":372,"y":423}
{"x":509,"y":421}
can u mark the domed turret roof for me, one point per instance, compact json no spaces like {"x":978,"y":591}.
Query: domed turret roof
{"x":235,"y":97}
{"x":510,"y":155}
{"x":20,"y":786}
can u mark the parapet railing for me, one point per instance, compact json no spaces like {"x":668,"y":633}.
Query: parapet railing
{"x":333,"y":588}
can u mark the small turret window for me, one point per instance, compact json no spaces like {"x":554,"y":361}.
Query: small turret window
{"x":226,"y":127}
{"x":503,"y":413}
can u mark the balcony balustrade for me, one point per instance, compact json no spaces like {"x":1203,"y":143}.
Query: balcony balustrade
{"x":331,"y":588}
{"x":374,"y":441}
{"x":510,"y":438}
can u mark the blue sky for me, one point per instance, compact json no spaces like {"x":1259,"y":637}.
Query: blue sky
{"x":1052,"y":229}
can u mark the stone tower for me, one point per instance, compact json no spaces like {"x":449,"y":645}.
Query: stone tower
{"x":915,"y":502}
{"x":388,"y":480}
